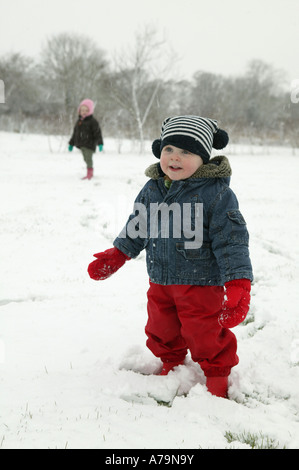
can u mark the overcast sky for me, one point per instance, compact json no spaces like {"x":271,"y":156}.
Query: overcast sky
{"x":219,"y":36}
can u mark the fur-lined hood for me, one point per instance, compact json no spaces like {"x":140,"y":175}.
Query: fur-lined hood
{"x":218,"y":167}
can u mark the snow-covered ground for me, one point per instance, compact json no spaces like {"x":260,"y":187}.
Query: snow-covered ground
{"x":71,"y":348}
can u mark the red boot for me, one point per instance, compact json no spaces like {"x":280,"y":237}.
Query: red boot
{"x":89,"y":174}
{"x":169,"y":366}
{"x":217,"y":386}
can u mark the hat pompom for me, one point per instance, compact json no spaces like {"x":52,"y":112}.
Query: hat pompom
{"x":156,"y":148}
{"x":220,"y":139}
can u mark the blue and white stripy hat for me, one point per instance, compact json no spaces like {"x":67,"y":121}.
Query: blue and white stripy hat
{"x":193,"y":133}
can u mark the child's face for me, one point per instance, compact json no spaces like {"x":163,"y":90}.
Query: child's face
{"x":179,"y":164}
{"x":84,"y":111}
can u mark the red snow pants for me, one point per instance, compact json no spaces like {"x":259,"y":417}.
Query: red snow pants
{"x":182,"y":318}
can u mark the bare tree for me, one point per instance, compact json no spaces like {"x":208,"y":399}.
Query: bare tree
{"x":207,"y":94}
{"x":140,"y":72}
{"x":72,"y":67}
{"x":21,"y":90}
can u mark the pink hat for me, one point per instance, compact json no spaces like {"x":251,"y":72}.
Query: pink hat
{"x":89,"y":104}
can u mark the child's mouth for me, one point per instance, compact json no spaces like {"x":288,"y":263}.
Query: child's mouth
{"x":175,"y":168}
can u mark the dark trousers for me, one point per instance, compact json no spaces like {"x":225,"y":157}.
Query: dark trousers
{"x":87,"y":155}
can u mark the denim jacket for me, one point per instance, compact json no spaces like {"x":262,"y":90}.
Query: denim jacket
{"x":223,"y":254}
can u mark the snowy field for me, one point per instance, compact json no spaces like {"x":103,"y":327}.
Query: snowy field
{"x":74,"y":368}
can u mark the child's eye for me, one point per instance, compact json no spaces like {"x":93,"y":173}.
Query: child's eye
{"x":186,"y":152}
{"x":168,"y":149}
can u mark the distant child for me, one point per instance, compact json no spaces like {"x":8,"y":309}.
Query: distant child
{"x":196,"y":293}
{"x":87,"y":135}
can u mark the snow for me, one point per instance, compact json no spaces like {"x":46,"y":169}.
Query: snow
{"x":74,"y":368}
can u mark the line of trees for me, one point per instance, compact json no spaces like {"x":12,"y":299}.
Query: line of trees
{"x":136,"y":89}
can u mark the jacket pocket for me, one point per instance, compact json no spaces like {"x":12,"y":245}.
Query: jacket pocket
{"x":193,"y":264}
{"x":238,"y":229}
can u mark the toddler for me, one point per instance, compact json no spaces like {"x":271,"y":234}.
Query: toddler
{"x":86,"y":135}
{"x":197,"y":292}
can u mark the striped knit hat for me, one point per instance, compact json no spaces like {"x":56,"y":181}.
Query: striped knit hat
{"x":193,"y":133}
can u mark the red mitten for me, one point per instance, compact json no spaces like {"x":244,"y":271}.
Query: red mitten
{"x":106,"y":264}
{"x":236,"y":305}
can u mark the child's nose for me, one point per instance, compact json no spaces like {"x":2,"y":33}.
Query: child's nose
{"x":176,"y":155}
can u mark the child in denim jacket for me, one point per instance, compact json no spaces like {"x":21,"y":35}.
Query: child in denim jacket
{"x":197,"y":293}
